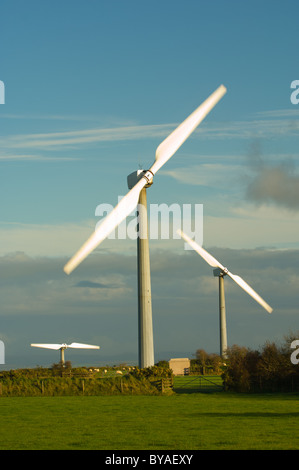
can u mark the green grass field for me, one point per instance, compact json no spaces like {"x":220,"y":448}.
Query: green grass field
{"x":172,"y":422}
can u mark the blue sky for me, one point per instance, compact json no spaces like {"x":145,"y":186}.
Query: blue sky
{"x":91,"y":89}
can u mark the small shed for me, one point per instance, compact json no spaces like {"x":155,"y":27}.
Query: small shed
{"x":180,"y":366}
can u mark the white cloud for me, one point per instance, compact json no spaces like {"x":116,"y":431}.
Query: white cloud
{"x":42,"y":239}
{"x":226,"y":223}
{"x":252,"y":227}
{"x":206,"y":174}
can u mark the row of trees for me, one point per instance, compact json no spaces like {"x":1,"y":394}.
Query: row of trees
{"x":268,"y":370}
{"x":272,"y":368}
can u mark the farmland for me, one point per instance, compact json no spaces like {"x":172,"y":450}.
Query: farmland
{"x":191,"y":421}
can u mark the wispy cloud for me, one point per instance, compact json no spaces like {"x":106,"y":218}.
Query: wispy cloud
{"x":94,"y":285}
{"x":245,"y":129}
{"x":67,"y":117}
{"x":86,"y":136}
{"x":54,"y":141}
{"x":251,"y":129}
{"x":205,"y":174}
{"x":14,"y":156}
{"x":289,"y":113}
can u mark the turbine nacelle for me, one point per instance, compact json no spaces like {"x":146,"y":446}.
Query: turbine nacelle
{"x":133,"y":178}
{"x":220,"y":272}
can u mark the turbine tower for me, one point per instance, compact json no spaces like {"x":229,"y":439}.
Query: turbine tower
{"x":220,"y":272}
{"x":145,"y":320}
{"x":137,"y":194}
{"x":63,"y":347}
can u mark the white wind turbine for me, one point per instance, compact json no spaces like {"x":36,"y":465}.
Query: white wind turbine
{"x":62,"y":347}
{"x":138,"y":182}
{"x":221,"y":271}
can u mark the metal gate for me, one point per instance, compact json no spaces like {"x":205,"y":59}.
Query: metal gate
{"x":197,"y":383}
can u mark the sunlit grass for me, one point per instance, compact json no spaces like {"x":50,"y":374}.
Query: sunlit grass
{"x":182,"y":421}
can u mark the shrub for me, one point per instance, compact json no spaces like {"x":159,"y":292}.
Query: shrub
{"x":151,"y":372}
{"x":267,"y":370}
{"x":236,"y":375}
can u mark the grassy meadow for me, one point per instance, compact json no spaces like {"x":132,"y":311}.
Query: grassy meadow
{"x":178,"y":421}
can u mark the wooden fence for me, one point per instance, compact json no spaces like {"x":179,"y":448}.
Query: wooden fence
{"x":164,"y":384}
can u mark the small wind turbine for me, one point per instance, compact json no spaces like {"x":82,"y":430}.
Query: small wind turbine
{"x":221,"y":271}
{"x":137,"y":183}
{"x":63,"y":347}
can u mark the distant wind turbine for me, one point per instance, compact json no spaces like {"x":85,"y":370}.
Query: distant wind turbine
{"x":221,"y":271}
{"x":138,"y":182}
{"x":63,"y":347}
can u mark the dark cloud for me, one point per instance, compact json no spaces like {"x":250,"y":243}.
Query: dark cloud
{"x":277,"y":184}
{"x":39,"y":303}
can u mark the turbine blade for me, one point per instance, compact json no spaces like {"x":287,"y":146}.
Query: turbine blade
{"x":163,"y":153}
{"x":201,"y":251}
{"x":172,"y":143}
{"x":113,"y":219}
{"x":215,"y":264}
{"x":47,"y":346}
{"x":83,"y":346}
{"x":250,"y":291}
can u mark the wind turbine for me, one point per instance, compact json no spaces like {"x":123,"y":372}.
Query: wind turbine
{"x":138,"y":182}
{"x":220,"y":272}
{"x":63,"y":347}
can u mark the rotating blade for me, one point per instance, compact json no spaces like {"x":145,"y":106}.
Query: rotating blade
{"x":163,"y":153}
{"x":250,"y":291}
{"x":113,"y":219}
{"x":201,"y":251}
{"x":82,"y":346}
{"x":215,"y":264}
{"x":173,"y":142}
{"x":47,"y":346}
